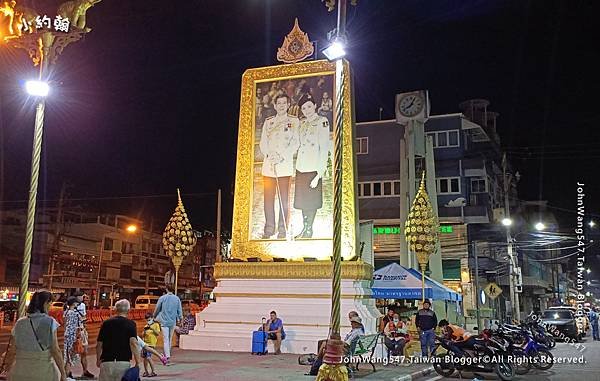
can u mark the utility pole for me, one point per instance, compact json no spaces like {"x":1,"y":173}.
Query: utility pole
{"x":55,"y":251}
{"x":218,"y":238}
{"x":514,"y":295}
{"x":147,"y":287}
{"x":477,"y":313}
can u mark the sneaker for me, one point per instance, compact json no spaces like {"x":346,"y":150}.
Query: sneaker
{"x":87,"y":374}
{"x":164,"y":360}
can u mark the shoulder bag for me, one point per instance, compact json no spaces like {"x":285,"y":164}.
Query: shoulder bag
{"x":36,"y":336}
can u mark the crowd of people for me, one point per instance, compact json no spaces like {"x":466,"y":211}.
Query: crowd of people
{"x":36,"y":352}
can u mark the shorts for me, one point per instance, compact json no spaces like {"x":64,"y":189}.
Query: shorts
{"x":145,"y":353}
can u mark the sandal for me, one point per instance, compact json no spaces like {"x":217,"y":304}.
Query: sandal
{"x":153,"y":374}
{"x":145,"y":374}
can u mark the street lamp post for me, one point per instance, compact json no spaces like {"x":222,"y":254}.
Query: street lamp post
{"x":33,"y":186}
{"x":98,"y":275}
{"x":514,"y":295}
{"x":43,"y":46}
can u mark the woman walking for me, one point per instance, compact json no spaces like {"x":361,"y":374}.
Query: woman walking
{"x":36,"y":344}
{"x":311,"y":163}
{"x":72,"y":321}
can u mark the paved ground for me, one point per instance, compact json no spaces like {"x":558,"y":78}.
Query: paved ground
{"x":228,"y":366}
{"x":589,"y":371}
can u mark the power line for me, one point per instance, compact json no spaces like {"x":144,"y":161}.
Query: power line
{"x":116,"y":197}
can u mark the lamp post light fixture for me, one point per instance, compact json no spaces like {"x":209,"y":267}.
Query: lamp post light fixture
{"x":588,"y":271}
{"x":336,"y":50}
{"x":507,"y":222}
{"x":43,"y":46}
{"x":37,"y":88}
{"x":540,"y":226}
{"x":592,"y":223}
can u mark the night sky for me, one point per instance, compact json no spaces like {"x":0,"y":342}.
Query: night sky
{"x":149,"y":100}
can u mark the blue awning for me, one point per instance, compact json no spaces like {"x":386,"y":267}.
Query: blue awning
{"x":396,"y":282}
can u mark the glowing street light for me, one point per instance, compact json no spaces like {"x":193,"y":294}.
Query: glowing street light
{"x":592,"y":223}
{"x":131,"y":228}
{"x":335,"y":51}
{"x":506,"y":221}
{"x":37,"y":88}
{"x":540,"y":226}
{"x":588,"y":271}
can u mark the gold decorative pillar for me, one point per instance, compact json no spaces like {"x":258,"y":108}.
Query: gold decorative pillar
{"x":43,"y":45}
{"x":421,"y":230}
{"x":178,"y":238}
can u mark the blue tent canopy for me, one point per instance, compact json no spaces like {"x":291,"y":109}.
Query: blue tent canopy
{"x":396,"y":282}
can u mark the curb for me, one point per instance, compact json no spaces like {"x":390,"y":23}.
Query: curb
{"x":415,"y":375}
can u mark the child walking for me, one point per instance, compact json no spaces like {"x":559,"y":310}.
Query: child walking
{"x":151,"y":332}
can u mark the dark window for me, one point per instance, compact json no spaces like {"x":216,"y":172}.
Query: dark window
{"x":451,"y":269}
{"x":387,"y":188}
{"x":367,"y":189}
{"x":478,"y":186}
{"x":125,"y":272}
{"x":454,"y":187}
{"x":108,"y":243}
{"x":453,"y":138}
{"x":116,"y":257}
{"x":442,"y":139}
{"x":396,"y":187}
{"x":376,"y":189}
{"x":444,"y":186}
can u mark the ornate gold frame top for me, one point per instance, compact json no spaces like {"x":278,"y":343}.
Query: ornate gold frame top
{"x":355,"y":270}
{"x":243,"y":247}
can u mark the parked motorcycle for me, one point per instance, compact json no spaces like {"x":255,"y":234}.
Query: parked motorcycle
{"x":488,"y":354}
{"x":523,"y":343}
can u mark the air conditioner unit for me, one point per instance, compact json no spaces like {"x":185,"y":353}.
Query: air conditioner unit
{"x":498,"y":214}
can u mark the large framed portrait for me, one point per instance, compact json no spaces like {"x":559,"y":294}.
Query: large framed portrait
{"x":283,"y":205}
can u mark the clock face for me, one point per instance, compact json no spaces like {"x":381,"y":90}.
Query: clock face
{"x":411,"y":105}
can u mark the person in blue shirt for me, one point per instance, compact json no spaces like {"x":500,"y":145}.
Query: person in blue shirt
{"x":275,"y":332}
{"x":168,"y":312}
{"x":594,"y":322}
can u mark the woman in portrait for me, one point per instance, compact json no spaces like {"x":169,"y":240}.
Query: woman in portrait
{"x":311,"y":163}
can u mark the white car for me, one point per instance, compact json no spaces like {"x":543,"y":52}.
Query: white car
{"x":146,"y":302}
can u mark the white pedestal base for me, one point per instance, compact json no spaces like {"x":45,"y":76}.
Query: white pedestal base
{"x":304,"y":305}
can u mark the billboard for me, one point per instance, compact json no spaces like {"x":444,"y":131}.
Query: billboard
{"x":283,"y":205}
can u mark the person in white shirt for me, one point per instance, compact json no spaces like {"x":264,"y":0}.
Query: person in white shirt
{"x":311,"y":163}
{"x":84,"y":334}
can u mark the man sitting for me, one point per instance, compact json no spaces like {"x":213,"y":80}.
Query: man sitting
{"x":460,"y":337}
{"x":275,"y":332}
{"x":349,"y":342}
{"x":352,"y":337}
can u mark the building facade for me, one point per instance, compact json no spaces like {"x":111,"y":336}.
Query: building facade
{"x":68,"y":254}
{"x":470,"y":181}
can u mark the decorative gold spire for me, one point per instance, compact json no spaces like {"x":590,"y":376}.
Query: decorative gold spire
{"x":421,"y":227}
{"x":296,"y":46}
{"x":178,"y":238}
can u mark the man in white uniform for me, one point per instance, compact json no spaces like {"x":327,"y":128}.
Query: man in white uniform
{"x":278,"y":143}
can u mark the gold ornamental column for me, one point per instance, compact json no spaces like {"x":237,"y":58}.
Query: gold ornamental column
{"x":421,"y":230}
{"x":44,"y":39}
{"x":178,"y":238}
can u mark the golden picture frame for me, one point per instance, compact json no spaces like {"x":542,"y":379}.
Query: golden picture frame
{"x":245,"y":242}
